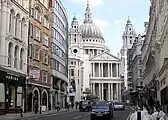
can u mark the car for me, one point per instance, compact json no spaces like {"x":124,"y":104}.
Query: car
{"x":118,"y":105}
{"x":84,"y":106}
{"x":101,"y":110}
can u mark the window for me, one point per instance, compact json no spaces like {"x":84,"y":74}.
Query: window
{"x":37,"y":33}
{"x":45,"y":39}
{"x":37,"y":15}
{"x":46,"y":23}
{"x":11,"y":20}
{"x":72,"y":72}
{"x":31,"y":29}
{"x":10,"y":54}
{"x":36,"y":52}
{"x":22,"y":29}
{"x":30,"y":50}
{"x":45,"y":3}
{"x":17,"y":27}
{"x":130,"y":41}
{"x":44,"y":76}
{"x":16,"y":57}
{"x":45,"y":57}
{"x":21,"y":59}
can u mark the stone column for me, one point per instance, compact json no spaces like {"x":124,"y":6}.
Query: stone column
{"x":109,"y":92}
{"x":93,"y":69}
{"x":117,"y":91}
{"x":91,"y":87}
{"x":99,"y":92}
{"x":108,"y":69}
{"x":102,"y":91}
{"x":94,"y":89}
{"x":112,"y":93}
{"x":111,"y":70}
{"x":102,"y":69}
{"x":4,"y":26}
{"x":116,"y":70}
{"x":99,"y":69}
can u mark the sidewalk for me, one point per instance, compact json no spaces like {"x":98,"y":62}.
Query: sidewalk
{"x":30,"y":114}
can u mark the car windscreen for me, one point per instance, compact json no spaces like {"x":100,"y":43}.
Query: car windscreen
{"x":118,"y":103}
{"x":101,"y":106}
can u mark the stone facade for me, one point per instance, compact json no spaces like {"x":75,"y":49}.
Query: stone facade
{"x":38,"y":87}
{"x":91,"y":66}
{"x":13,"y":55}
{"x":128,"y":38}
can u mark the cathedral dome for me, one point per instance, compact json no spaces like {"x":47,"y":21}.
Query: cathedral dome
{"x":90,"y":30}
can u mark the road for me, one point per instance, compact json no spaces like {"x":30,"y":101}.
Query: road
{"x":75,"y":115}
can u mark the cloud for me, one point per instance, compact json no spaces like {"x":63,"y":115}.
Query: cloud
{"x":102,"y":24}
{"x":93,"y":3}
{"x":118,"y":21}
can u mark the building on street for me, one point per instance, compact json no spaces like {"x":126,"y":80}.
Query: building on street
{"x":135,"y":66}
{"x":128,"y":38}
{"x":88,"y":53}
{"x":38,"y":83}
{"x":13,"y":55}
{"x":59,"y":54}
{"x":149,"y":55}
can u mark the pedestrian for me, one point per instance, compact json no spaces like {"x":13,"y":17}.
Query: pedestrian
{"x":151,"y":105}
{"x":35,"y":106}
{"x":69,"y":104}
{"x":72,"y":105}
{"x":58,"y":107}
{"x":76,"y":104}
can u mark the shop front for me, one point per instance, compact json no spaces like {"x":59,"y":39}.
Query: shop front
{"x":12,"y":92}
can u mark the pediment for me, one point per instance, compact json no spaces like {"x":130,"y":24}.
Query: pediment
{"x":106,"y":57}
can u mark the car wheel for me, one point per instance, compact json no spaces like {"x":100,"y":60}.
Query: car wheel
{"x":112,"y":115}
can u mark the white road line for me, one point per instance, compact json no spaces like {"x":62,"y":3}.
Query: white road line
{"x":77,"y":117}
{"x":129,"y":115}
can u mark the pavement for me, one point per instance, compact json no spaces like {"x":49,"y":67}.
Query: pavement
{"x":76,"y":115}
{"x":28,"y":115}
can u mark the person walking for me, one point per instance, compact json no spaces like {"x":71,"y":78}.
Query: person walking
{"x":35,"y":106}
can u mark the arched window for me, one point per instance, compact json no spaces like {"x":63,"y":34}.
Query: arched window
{"x":16,"y":57}
{"x":17,"y":27}
{"x":22,"y":28}
{"x":21,"y":59}
{"x":11,"y":21}
{"x":10,"y":54}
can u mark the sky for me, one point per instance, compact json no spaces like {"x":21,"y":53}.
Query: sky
{"x":111,"y":17}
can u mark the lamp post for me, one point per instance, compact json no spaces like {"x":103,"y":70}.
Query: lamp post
{"x":139,"y":88}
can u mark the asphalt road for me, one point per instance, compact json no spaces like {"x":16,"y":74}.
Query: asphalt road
{"x":75,"y":115}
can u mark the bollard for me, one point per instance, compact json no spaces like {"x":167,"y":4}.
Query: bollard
{"x":21,"y":115}
{"x":139,"y":114}
{"x":40,"y":110}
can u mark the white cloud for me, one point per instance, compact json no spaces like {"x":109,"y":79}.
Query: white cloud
{"x":93,"y":3}
{"x":102,"y":24}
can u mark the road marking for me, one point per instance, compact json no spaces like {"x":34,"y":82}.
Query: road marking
{"x":129,"y":116}
{"x":77,"y":117}
{"x":86,"y":114}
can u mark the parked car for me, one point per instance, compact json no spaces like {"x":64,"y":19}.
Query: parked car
{"x":84,"y":106}
{"x":102,"y":110}
{"x":119,"y":105}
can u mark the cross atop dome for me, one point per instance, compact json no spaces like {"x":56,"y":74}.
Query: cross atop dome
{"x":128,"y":21}
{"x":74,"y":18}
{"x":88,"y":14}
